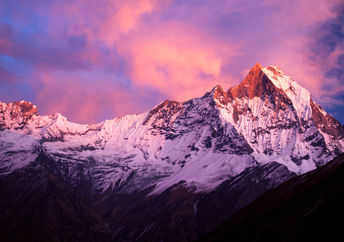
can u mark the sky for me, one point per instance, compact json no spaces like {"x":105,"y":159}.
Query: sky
{"x":93,"y":60}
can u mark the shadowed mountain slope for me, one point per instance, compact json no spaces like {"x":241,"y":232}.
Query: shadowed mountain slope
{"x":306,"y":208}
{"x":36,"y":204}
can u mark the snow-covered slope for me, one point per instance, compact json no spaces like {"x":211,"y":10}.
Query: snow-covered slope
{"x":173,"y":142}
{"x":204,"y":141}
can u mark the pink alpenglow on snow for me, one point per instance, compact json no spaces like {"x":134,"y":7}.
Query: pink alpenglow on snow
{"x":267,"y":118}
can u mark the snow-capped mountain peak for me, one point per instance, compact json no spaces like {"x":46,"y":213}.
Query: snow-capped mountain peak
{"x":220,"y":150}
{"x":219,"y":95}
{"x":266,"y":118}
{"x":15,"y":115}
{"x":256,"y":84}
{"x":299,"y":96}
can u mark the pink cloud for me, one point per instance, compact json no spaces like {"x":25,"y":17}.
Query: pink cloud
{"x":80,"y":100}
{"x":104,"y":20}
{"x":178,"y":50}
{"x":129,"y":13}
{"x":302,"y":13}
{"x":295,"y":28}
{"x":176,"y":59}
{"x":181,"y":61}
{"x":171,"y":57}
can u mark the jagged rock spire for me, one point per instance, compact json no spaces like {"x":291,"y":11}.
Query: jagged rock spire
{"x":255,"y":84}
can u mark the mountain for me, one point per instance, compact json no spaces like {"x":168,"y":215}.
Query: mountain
{"x":38,"y":205}
{"x":305,"y":208}
{"x":179,"y":170}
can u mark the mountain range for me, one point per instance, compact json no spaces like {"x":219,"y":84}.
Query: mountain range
{"x":171,"y":174}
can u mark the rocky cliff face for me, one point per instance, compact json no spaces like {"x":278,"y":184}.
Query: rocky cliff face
{"x":276,"y":117}
{"x":200,"y":144}
{"x":16,"y":115}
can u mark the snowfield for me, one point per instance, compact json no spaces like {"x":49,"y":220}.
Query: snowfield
{"x":201,"y":142}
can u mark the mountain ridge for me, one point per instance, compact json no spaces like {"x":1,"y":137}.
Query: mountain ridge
{"x":265,"y":88}
{"x":194,"y":155}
